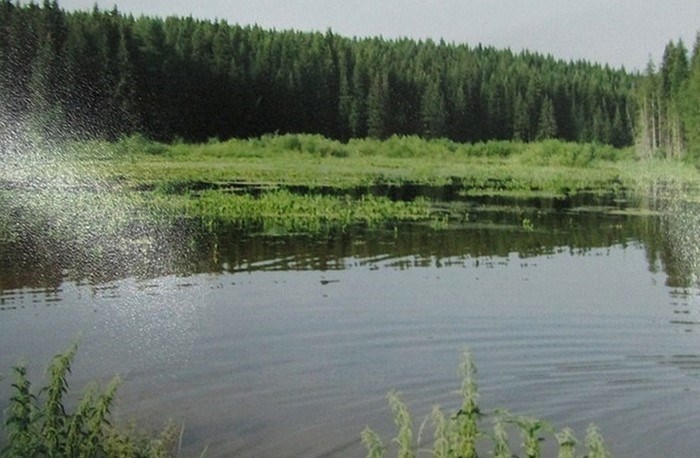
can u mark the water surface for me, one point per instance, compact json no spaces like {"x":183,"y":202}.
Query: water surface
{"x":267,"y":346}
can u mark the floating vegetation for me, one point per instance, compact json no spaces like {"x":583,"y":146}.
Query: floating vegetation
{"x":528,"y":225}
{"x":309,"y":184}
{"x":464,"y":435}
{"x":285,"y":212}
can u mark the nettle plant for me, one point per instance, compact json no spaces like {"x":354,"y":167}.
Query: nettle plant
{"x":464,"y":434}
{"x":39,"y":423}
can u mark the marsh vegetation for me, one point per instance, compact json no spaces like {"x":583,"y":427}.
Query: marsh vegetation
{"x":310,"y":184}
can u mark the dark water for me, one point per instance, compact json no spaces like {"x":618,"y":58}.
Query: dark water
{"x":287,"y":346}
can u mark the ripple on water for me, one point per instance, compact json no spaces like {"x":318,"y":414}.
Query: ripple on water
{"x":267,"y":361}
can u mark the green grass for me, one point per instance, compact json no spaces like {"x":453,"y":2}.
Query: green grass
{"x":466,"y":433}
{"x":39,"y":422}
{"x":279,"y":179}
{"x":551,"y":166}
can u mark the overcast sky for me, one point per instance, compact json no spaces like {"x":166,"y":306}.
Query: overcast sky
{"x":616,"y":32}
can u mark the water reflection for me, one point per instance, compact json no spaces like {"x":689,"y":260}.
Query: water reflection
{"x":33,"y":273}
{"x":28,"y":266}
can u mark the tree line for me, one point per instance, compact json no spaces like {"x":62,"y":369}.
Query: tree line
{"x":669,"y":104}
{"x":107,"y":74}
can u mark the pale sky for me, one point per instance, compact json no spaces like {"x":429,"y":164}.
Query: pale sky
{"x":616,"y":32}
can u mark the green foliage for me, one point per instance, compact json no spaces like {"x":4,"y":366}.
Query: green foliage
{"x":441,"y":434}
{"x":39,"y":424}
{"x":463,"y":435}
{"x":177,"y":186}
{"x":102,"y":74}
{"x":690,"y":104}
{"x":404,"y":424}
{"x":298,"y":183}
{"x":374,"y":444}
{"x":528,"y":225}
{"x":531,"y":430}
{"x":135,"y":144}
{"x":547,"y":126}
{"x":307,"y":183}
{"x":467,"y":418}
{"x":595,"y":444}
{"x":433,"y":111}
{"x":501,"y":445}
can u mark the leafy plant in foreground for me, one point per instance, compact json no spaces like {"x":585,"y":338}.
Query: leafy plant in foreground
{"x":38,"y":424}
{"x":462,"y":435}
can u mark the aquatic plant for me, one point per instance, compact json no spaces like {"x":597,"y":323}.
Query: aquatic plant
{"x":298,"y":183}
{"x":283,"y":212}
{"x":39,"y":423}
{"x":463,"y":434}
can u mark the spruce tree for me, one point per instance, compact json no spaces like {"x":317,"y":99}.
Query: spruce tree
{"x":197,"y":79}
{"x":377,"y":107}
{"x":45,"y":112}
{"x":521,"y":120}
{"x":547,"y":125}
{"x":433,"y":111}
{"x":123,"y":94}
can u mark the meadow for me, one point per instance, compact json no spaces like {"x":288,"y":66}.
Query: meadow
{"x":308,"y":183}
{"x":314,"y":161}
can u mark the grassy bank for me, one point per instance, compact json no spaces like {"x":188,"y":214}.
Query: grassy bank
{"x":307,"y":183}
{"x":313,"y":161}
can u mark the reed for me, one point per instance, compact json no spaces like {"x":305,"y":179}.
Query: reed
{"x":464,"y":435}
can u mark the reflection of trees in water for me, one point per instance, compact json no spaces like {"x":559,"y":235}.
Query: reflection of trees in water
{"x":50,"y":236}
{"x":37,"y":258}
{"x":681,"y":222}
{"x":672,"y":240}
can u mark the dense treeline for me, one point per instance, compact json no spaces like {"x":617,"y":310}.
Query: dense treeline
{"x":669,"y":104}
{"x":106,"y":74}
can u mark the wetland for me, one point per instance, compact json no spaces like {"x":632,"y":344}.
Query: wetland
{"x":579,"y":303}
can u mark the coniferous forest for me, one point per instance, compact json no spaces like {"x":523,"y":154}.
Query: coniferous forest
{"x":105,"y":74}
